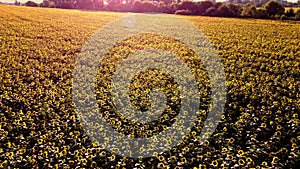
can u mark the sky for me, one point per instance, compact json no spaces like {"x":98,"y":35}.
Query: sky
{"x":39,"y":1}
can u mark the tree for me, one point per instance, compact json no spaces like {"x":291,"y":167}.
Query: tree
{"x":113,"y":5}
{"x":261,"y":14}
{"x":98,"y":4}
{"x":137,"y":6}
{"x":248,"y":11}
{"x":297,"y":17}
{"x":52,"y":4}
{"x":218,"y":4}
{"x":224,"y":11}
{"x":31,"y":3}
{"x":84,"y":4}
{"x":167,"y":1}
{"x":231,"y":1}
{"x":203,"y":6}
{"x":290,"y":12}
{"x":238,"y":1}
{"x":171,"y":8}
{"x":236,"y":9}
{"x":274,"y":8}
{"x":17,"y":3}
{"x":68,"y":4}
{"x":210,"y":11}
{"x":48,"y":4}
{"x":45,"y":4}
{"x":187,"y":5}
{"x":183,"y":12}
{"x":149,"y":6}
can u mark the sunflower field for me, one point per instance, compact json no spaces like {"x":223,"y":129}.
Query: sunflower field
{"x":40,"y":128}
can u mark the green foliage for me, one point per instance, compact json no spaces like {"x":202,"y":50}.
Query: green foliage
{"x":274,"y":8}
{"x":88,"y":4}
{"x":261,"y":14}
{"x":167,"y":1}
{"x":290,"y":12}
{"x":45,"y":3}
{"x":218,"y":4}
{"x":69,"y":4}
{"x":248,"y":11}
{"x":271,"y":9}
{"x":224,"y":11}
{"x":31,"y":3}
{"x":137,"y":6}
{"x":188,"y":5}
{"x":183,"y":12}
{"x":236,"y":9}
{"x":211,"y":11}
{"x":283,"y":17}
{"x":202,"y":6}
{"x":167,"y":8}
{"x":297,"y":16}
{"x":149,"y":6}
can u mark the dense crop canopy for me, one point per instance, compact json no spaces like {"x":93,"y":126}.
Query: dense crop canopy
{"x":39,"y":126}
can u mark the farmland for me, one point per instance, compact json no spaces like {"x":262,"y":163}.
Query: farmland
{"x":286,"y":9}
{"x":39,"y":126}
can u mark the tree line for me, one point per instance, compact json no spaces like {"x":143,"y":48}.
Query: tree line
{"x":269,"y":10}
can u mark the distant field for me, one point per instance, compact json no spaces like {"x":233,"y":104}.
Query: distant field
{"x":295,"y":9}
{"x":287,"y":8}
{"x":39,"y":126}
